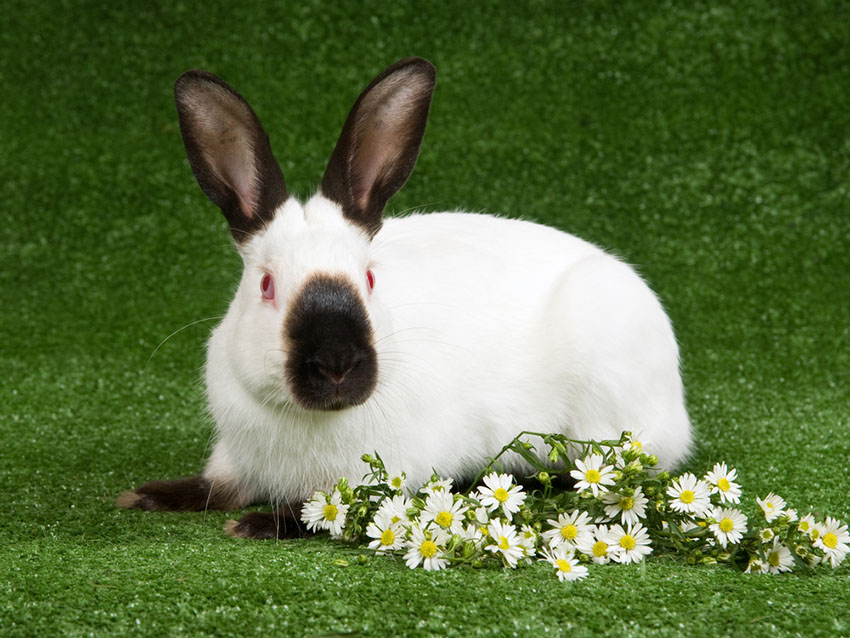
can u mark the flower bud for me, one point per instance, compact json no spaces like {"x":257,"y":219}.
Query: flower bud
{"x":368,"y":458}
{"x":361,"y":559}
{"x":650,"y":461}
{"x":544,"y":478}
{"x":553,"y":455}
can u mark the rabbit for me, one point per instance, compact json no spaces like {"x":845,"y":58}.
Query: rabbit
{"x":431,"y":339}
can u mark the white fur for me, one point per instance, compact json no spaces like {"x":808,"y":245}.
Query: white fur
{"x":483,"y":326}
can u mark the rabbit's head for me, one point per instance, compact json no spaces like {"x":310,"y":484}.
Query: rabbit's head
{"x":300,"y":328}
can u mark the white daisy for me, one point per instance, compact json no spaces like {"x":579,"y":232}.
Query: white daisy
{"x":388,"y":536}
{"x":569,"y":530}
{"x":565,"y":564}
{"x":687,"y":494}
{"x":426,"y":546}
{"x":445,"y":511}
{"x":507,"y":543}
{"x":833,"y":540}
{"x":778,"y":558}
{"x":772,"y":506}
{"x":766,"y":535}
{"x":722,"y":482}
{"x":395,"y":509}
{"x":528,"y":541}
{"x":325,"y":513}
{"x":756,"y":566}
{"x":628,"y":545}
{"x":596,"y":545}
{"x":591,"y":474}
{"x":443,"y":485}
{"x":397,"y":481}
{"x":729,"y":525}
{"x":629,"y":508}
{"x":499,"y":491}
{"x":473,"y":532}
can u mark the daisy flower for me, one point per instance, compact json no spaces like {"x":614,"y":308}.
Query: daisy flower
{"x":766,"y":535}
{"x":443,"y":485}
{"x":506,"y":542}
{"x":473,"y":532}
{"x":397,"y":481}
{"x":689,"y":495}
{"x":565,"y":564}
{"x":772,"y":506}
{"x":778,"y":558}
{"x":596,"y":545}
{"x":499,"y":491}
{"x":722,"y":482}
{"x":395,"y":509}
{"x":729,"y":525}
{"x":807,"y":524}
{"x":426,"y":547}
{"x":445,"y":511}
{"x":388,"y":536}
{"x":569,"y":530}
{"x":528,"y":541}
{"x":756,"y":566}
{"x":591,"y":474}
{"x":325,"y":513}
{"x":833,"y":541}
{"x":628,"y":545}
{"x":630,"y":509}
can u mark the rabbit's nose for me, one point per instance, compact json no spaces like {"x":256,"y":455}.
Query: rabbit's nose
{"x":335,"y":374}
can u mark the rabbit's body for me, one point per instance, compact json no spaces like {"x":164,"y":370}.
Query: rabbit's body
{"x":557,"y":337}
{"x":431,"y":339}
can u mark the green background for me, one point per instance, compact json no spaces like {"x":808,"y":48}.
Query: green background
{"x":706,"y":143}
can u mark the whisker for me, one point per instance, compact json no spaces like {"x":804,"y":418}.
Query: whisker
{"x":188,"y":325}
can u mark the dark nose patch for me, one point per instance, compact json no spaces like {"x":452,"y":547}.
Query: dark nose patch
{"x":332,"y":362}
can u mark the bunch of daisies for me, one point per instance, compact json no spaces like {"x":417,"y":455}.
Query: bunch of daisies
{"x":619,"y":509}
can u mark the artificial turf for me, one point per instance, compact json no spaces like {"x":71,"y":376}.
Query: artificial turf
{"x":706,"y":143}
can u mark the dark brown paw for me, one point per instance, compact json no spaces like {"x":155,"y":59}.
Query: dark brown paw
{"x":266,"y":525}
{"x":183,"y":495}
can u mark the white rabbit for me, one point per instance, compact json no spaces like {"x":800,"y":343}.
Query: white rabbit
{"x":432,"y":339}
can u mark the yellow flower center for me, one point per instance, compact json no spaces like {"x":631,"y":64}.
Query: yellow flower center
{"x":600,"y":549}
{"x":396,"y":482}
{"x":627,"y":542}
{"x":687,"y":497}
{"x":773,"y":559}
{"x":428,"y":549}
{"x":769,"y":507}
{"x":500,"y":494}
{"x":830,"y":540}
{"x":330,"y":512}
{"x":504,"y":545}
{"x":444,"y":519}
{"x":723,"y":484}
{"x":815,"y":533}
{"x":563,"y":565}
{"x":592,"y":476}
{"x":395,"y":519}
{"x":626,"y":502}
{"x":387,"y":538}
{"x":569,"y":532}
{"x":804,"y":526}
{"x":726,"y":525}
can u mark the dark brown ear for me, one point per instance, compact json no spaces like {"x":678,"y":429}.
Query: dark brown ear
{"x":380,"y":141}
{"x":229,"y":152}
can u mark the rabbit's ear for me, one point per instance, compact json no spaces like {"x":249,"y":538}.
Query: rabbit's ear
{"x":379,"y":142}
{"x":229,"y":152}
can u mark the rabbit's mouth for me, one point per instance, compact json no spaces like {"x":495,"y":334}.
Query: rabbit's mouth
{"x":332,"y":362}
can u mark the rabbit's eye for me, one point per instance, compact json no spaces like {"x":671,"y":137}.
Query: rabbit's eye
{"x":267,"y":287}
{"x":370,"y":279}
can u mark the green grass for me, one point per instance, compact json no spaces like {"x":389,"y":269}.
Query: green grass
{"x":709,"y":144}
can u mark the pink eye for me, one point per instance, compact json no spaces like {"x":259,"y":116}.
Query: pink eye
{"x":370,"y":279}
{"x":267,"y":287}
